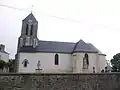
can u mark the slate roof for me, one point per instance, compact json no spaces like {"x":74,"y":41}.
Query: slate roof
{"x":81,"y":46}
{"x":94,"y":48}
{"x":60,"y":47}
{"x":2,"y":49}
{"x":4,"y":52}
{"x":30,"y":17}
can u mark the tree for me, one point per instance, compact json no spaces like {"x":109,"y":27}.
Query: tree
{"x":2,"y":64}
{"x":7,"y":64}
{"x":115,"y":62}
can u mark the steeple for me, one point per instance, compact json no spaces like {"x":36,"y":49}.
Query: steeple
{"x":30,"y":17}
{"x":29,"y":32}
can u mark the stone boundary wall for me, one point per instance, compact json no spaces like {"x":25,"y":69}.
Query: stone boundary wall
{"x":34,"y":81}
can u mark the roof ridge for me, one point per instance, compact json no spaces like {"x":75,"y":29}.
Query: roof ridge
{"x":56,"y":41}
{"x":75,"y":46}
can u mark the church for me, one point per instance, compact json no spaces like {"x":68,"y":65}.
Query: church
{"x":38,"y":56}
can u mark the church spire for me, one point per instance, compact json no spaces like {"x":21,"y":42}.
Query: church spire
{"x":29,"y":32}
{"x":30,"y":17}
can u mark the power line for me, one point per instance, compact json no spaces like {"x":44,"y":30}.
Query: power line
{"x":14,"y":8}
{"x":67,"y":19}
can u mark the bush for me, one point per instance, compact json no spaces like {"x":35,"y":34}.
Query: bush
{"x":2,"y":64}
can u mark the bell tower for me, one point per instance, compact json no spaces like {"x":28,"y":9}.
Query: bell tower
{"x":29,"y":32}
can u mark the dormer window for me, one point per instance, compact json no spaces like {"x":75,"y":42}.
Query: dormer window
{"x":25,"y":63}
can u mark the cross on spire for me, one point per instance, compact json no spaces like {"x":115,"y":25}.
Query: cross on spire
{"x":31,"y":8}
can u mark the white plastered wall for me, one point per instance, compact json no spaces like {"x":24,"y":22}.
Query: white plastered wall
{"x":47,"y":62}
{"x":102,"y":60}
{"x":78,"y":61}
{"x":4,"y":56}
{"x":67,"y":62}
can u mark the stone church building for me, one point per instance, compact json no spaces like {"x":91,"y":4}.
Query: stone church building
{"x":34,"y":55}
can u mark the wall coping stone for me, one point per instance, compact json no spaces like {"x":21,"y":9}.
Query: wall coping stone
{"x":7,"y":74}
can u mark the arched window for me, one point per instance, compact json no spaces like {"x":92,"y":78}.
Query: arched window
{"x":56,"y":59}
{"x":25,"y":63}
{"x":26,"y":29}
{"x":93,"y":69}
{"x":87,"y":58}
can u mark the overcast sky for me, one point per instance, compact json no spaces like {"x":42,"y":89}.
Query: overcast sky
{"x":94,"y":21}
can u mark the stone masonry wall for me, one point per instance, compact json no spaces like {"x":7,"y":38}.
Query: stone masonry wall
{"x":108,"y":81}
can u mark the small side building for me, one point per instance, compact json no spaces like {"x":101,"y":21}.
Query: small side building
{"x":3,"y":54}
